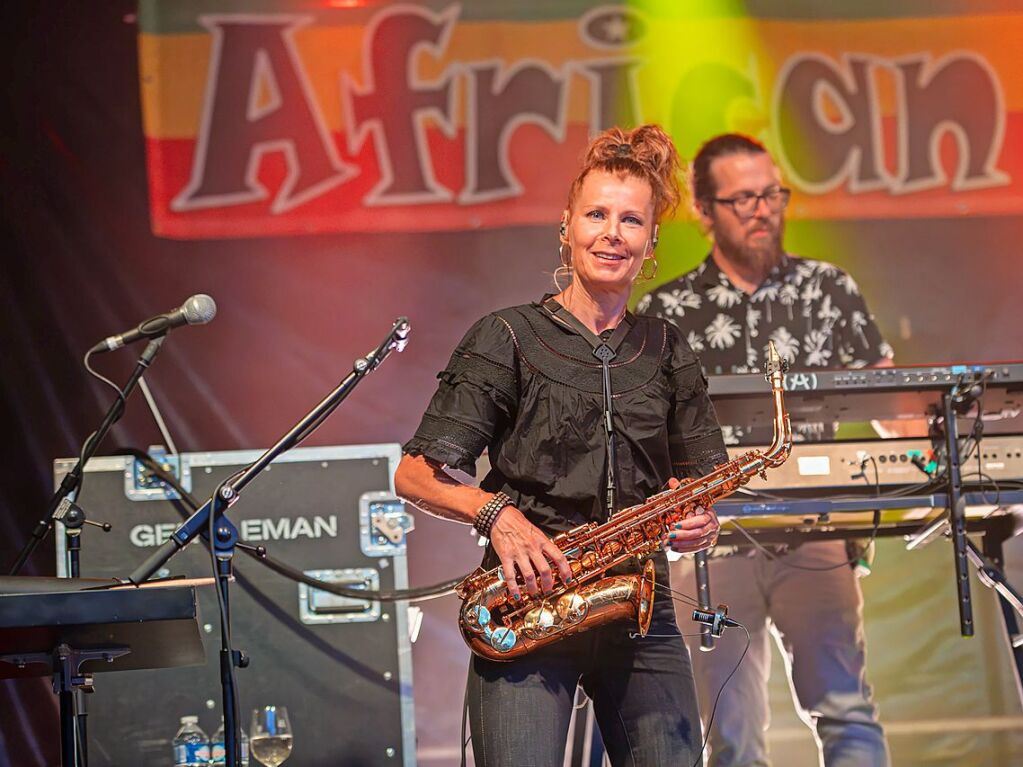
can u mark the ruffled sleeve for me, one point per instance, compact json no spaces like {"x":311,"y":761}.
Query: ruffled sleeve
{"x":475,"y":399}
{"x":694,"y":436}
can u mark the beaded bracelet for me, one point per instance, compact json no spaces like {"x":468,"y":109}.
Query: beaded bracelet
{"x":487,"y":515}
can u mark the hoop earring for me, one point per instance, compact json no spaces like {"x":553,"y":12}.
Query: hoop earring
{"x":653,"y":272}
{"x":565,"y":262}
{"x":562,"y":271}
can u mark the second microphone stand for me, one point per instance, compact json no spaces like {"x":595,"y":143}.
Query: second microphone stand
{"x":60,"y":504}
{"x":62,"y":508}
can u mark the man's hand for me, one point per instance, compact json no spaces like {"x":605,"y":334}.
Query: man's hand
{"x":524,"y":549}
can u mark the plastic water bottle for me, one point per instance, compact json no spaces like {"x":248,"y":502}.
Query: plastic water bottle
{"x":218,"y":751}
{"x":191,"y":746}
{"x":244,"y":748}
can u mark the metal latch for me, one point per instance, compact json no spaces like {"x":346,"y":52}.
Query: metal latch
{"x":141,"y":484}
{"x":383,"y":524}
{"x":318,"y":606}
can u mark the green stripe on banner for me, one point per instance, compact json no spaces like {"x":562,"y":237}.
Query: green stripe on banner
{"x":180,"y":17}
{"x":823,"y":10}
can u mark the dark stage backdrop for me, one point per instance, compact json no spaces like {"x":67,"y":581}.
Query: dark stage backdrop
{"x":108,"y":217}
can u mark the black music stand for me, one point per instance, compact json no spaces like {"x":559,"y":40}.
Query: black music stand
{"x":67,"y":629}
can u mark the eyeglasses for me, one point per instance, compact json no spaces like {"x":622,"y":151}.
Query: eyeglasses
{"x":745,"y":205}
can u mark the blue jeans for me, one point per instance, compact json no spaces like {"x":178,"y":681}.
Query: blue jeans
{"x":642,"y":689}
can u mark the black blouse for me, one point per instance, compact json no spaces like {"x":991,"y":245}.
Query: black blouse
{"x":529,"y":390}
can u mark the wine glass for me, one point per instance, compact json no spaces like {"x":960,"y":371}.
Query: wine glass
{"x":270,"y":735}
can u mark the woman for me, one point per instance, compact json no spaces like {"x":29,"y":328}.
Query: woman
{"x":527,"y":383}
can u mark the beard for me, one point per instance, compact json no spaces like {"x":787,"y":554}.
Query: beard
{"x":761,"y":256}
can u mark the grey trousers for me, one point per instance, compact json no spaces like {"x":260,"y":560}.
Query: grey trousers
{"x":817,"y":619}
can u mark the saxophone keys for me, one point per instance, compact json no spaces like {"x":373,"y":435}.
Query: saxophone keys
{"x":503,"y":639}
{"x":538,"y":622}
{"x":572,"y":608}
{"x":477,"y":618}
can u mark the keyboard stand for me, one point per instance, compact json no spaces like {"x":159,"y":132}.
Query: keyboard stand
{"x":71,"y":628}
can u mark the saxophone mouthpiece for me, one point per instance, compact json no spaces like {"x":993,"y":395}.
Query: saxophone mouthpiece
{"x":775,"y":363}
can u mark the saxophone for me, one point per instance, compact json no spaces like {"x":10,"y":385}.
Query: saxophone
{"x":497,"y":628}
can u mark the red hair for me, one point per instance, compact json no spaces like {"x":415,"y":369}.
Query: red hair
{"x":646,"y":152}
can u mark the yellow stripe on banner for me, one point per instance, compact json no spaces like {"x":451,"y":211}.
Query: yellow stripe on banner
{"x":995,"y":38}
{"x":757,"y":49}
{"x":325,"y":53}
{"x":172,"y":78}
{"x":173,"y":68}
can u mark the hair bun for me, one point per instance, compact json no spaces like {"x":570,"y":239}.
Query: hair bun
{"x":646,"y":152}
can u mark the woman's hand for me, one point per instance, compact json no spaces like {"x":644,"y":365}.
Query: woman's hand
{"x":696,"y":532}
{"x":522,"y":547}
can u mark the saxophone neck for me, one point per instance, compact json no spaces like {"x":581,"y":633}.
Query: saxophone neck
{"x":780,"y":448}
{"x":722,"y":481}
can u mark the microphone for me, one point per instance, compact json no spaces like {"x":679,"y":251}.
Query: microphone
{"x":717,"y":619}
{"x":197,"y":310}
{"x":402,"y":328}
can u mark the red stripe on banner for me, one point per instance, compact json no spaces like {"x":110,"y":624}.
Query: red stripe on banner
{"x":938,"y":202}
{"x":543,"y":167}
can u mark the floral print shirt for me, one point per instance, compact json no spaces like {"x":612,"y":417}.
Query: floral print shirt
{"x":812,"y":310}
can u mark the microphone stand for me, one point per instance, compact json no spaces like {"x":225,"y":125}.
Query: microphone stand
{"x":702,"y":572}
{"x":60,"y":504}
{"x":225,"y":535}
{"x":62,"y":508}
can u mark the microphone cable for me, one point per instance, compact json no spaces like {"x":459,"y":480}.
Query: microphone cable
{"x":260,"y":554}
{"x":717,"y":698}
{"x":721,"y":689}
{"x":850,"y":562}
{"x":122,"y":402}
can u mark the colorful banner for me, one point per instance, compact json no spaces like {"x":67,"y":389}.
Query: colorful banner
{"x":441,"y":116}
{"x":466,"y":104}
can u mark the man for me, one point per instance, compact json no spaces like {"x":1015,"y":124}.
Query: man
{"x":748,"y":292}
